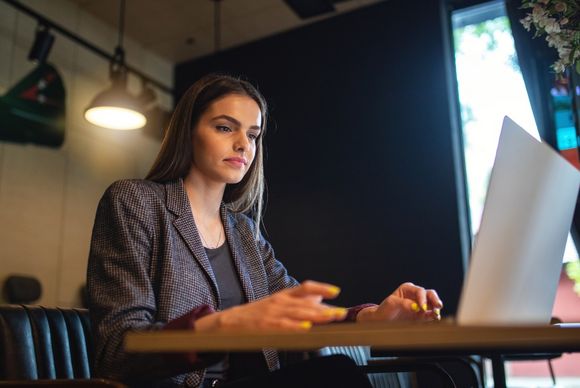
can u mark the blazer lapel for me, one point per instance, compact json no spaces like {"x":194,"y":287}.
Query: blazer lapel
{"x":178,"y":204}
{"x":234,"y":241}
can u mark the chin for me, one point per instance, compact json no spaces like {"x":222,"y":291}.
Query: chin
{"x":233,"y":180}
{"x":230,"y":176}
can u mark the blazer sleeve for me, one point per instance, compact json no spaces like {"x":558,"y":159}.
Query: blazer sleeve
{"x":278,"y":278}
{"x":121,"y":293}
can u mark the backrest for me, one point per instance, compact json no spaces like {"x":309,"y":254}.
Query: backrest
{"x":44,"y":343}
{"x":21,"y":289}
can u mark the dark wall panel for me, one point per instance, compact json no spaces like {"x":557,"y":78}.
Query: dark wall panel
{"x":359,"y":156}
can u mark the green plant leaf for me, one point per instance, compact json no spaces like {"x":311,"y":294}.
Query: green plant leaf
{"x":573,"y":270}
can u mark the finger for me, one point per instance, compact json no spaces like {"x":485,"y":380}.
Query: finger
{"x":437,"y":314}
{"x":301,"y":308}
{"x":433,"y":300}
{"x":291,"y":324}
{"x":277,"y":323}
{"x":320,"y":314}
{"x":396,"y":307}
{"x":432,"y":315}
{"x":337,"y":313}
{"x":417,"y":294}
{"x":287,"y":299}
{"x":412,"y":309}
{"x":311,"y":288}
{"x":304,"y":303}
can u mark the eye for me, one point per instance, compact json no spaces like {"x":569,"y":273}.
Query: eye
{"x":252,"y":136}
{"x":223,"y":128}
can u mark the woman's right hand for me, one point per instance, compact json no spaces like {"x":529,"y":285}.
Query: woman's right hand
{"x":294,"y":308}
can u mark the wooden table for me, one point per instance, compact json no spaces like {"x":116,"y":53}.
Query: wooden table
{"x":394,"y":339}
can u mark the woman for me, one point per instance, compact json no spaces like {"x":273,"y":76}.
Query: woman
{"x":178,"y":251}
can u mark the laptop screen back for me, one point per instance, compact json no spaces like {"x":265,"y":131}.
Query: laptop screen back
{"x":517,"y":257}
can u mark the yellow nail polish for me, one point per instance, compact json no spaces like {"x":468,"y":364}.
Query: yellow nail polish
{"x":334,"y":290}
{"x":424,"y":306}
{"x":338,"y":312}
{"x":437,"y":314}
{"x":415,"y":307}
{"x":306,"y":324}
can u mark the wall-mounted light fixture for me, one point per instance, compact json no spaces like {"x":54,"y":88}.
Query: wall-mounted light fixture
{"x":43,"y":41}
{"x":114,"y":107}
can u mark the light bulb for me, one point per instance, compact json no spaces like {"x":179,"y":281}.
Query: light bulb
{"x":115,"y":117}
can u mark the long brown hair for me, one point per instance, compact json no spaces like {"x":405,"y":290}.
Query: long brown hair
{"x":176,"y":154}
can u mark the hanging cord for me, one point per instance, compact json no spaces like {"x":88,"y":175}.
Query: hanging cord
{"x":121,"y":23}
{"x":118,"y":69}
{"x":216,"y":24}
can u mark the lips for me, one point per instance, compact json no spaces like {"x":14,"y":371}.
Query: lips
{"x":237,"y":162}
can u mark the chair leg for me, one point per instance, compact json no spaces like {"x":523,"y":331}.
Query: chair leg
{"x":552,"y":375}
{"x":498,"y":367}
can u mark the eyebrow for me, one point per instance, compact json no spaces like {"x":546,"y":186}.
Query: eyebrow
{"x":234,"y":121}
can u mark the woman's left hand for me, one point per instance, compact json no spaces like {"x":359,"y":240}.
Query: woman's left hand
{"x":408,"y":302}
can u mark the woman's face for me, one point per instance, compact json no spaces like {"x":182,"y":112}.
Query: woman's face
{"x":224,"y":139}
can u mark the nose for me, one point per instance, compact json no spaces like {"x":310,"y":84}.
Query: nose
{"x":242,"y":143}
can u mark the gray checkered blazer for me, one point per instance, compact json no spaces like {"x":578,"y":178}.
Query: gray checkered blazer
{"x":147,"y":266}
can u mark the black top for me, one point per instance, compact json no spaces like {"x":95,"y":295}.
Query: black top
{"x":226,"y":275}
{"x":231,"y":294}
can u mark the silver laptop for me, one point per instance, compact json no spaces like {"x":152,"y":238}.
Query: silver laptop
{"x":517,"y":257}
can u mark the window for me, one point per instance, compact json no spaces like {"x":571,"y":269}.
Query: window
{"x":490,"y":86}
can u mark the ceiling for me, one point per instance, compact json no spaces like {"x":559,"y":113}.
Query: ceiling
{"x":179,"y":30}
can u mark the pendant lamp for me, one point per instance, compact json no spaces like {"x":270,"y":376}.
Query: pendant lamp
{"x":115,"y":107}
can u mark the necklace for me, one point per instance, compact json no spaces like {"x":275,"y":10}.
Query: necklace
{"x":217,"y":244}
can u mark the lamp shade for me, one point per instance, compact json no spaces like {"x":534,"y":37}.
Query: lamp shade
{"x":116,"y":108}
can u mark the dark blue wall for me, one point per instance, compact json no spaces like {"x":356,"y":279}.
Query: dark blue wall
{"x":359,"y":151}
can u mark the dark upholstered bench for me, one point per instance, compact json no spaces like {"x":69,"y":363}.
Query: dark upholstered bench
{"x":46,"y":346}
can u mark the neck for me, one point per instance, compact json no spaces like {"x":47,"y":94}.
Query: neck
{"x":205,"y":196}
